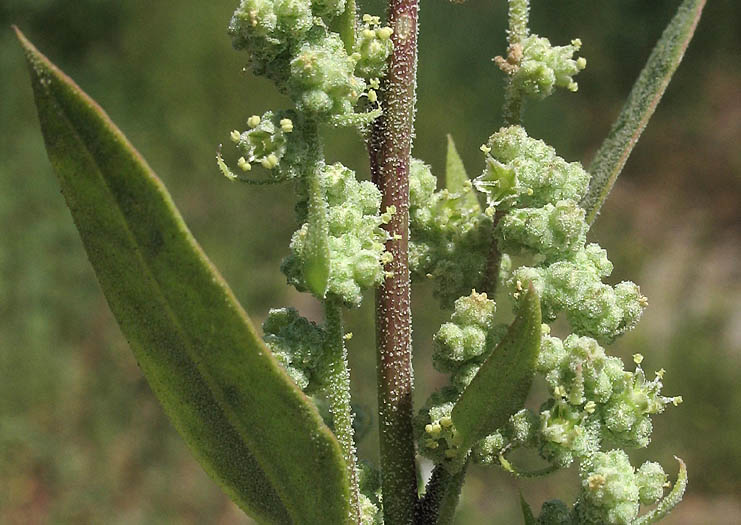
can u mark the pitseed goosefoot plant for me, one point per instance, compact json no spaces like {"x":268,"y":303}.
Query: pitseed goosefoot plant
{"x":247,"y":405}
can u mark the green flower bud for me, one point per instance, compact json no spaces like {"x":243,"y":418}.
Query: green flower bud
{"x":433,"y":427}
{"x":651,"y":480}
{"x":487,"y":450}
{"x":450,"y":239}
{"x":297,"y":344}
{"x":543,"y":67}
{"x":322,"y":82}
{"x":567,"y":433}
{"x":609,"y":492}
{"x":554,"y":231}
{"x":373,"y":45}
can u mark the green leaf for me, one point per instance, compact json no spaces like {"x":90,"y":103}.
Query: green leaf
{"x":456,"y":178}
{"x":248,"y":425}
{"x":671,"y":500}
{"x":503,"y":382}
{"x":316,"y":247}
{"x":527,"y":512}
{"x":345,"y":25}
{"x":612,"y":155}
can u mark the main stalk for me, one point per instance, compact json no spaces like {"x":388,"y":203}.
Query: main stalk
{"x":390,"y":147}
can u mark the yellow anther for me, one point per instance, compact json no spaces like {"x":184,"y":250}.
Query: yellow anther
{"x":384,"y":33}
{"x":660,"y":373}
{"x":485,"y":148}
{"x":446,"y":421}
{"x":235,"y":136}
{"x":638,"y":358}
{"x":581,"y":62}
{"x":286,"y":125}
{"x":372,"y":96}
{"x":375,"y":83}
{"x":269,"y":162}
{"x":431,"y":443}
{"x":590,"y":407}
{"x":253,"y":121}
{"x":677,"y":400}
{"x":347,"y":336}
{"x":243,"y":165}
{"x":369,"y":33}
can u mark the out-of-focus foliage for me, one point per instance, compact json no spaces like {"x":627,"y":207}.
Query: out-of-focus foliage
{"x":81,"y":437}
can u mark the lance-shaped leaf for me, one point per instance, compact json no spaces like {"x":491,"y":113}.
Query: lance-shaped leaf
{"x":503,"y":382}
{"x":316,"y":247}
{"x":456,"y":178}
{"x":249,"y":426}
{"x":612,"y":155}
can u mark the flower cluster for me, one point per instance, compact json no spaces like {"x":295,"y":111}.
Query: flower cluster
{"x":297,"y":344}
{"x":536,"y":67}
{"x":449,"y":236}
{"x":356,"y":240}
{"x":460,"y":348}
{"x":290,"y":42}
{"x":612,"y":490}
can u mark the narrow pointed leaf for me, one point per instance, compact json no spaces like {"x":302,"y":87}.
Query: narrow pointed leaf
{"x":345,"y":25}
{"x":503,"y":382}
{"x":248,"y":425}
{"x":316,"y":247}
{"x":612,"y":155}
{"x":527,"y":512}
{"x":456,"y":178}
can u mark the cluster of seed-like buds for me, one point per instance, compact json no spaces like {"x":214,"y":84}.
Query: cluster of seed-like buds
{"x":524,"y":172}
{"x":289,"y":42}
{"x":373,"y":46}
{"x":272,"y":142}
{"x":449,"y":237}
{"x":322,"y":81}
{"x":369,"y":485}
{"x":574,"y":285}
{"x":594,"y":399}
{"x":536,"y":67}
{"x":460,"y":348}
{"x":297,"y":344}
{"x":612,"y":490}
{"x":356,"y":239}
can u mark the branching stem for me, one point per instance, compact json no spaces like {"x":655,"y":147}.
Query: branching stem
{"x":390,"y":150}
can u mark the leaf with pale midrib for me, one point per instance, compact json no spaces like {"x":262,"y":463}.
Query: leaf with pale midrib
{"x":248,"y":425}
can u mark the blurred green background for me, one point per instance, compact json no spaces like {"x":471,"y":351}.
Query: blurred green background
{"x":82,"y":439}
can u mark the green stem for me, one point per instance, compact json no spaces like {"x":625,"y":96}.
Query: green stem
{"x":518,"y":15}
{"x":338,"y":395}
{"x":390,"y":147}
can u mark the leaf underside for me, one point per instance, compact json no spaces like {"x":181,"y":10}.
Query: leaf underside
{"x":503,"y":382}
{"x":647,"y":91}
{"x":248,"y":425}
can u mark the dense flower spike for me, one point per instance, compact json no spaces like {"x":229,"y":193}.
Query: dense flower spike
{"x":449,"y":237}
{"x":356,"y":240}
{"x":297,"y":344}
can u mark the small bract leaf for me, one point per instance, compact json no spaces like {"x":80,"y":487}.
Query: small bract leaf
{"x":456,"y":178}
{"x":612,"y":155}
{"x":247,"y":424}
{"x":316,"y":248}
{"x":503,"y":382}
